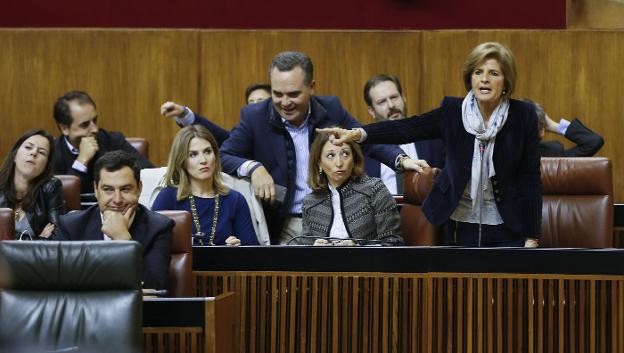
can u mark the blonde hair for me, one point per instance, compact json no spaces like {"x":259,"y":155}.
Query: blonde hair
{"x":491,"y":50}
{"x":177,"y":176}
{"x":318,"y":181}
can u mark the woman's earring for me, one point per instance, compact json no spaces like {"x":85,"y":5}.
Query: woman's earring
{"x":504,"y":92}
{"x":320,"y":171}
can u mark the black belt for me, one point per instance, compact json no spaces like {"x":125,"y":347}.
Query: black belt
{"x":298,"y":215}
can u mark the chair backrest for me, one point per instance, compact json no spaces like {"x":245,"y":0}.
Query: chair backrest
{"x":71,"y":191}
{"x":82,"y":296}
{"x":180,"y":280}
{"x":577,"y":209}
{"x":7,"y":224}
{"x":415,"y":227}
{"x":140,"y":144}
{"x":578,"y":202}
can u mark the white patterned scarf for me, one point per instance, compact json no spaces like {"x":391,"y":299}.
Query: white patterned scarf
{"x":482,"y":164}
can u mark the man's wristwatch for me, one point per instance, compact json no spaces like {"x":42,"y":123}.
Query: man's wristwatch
{"x":398,"y":163}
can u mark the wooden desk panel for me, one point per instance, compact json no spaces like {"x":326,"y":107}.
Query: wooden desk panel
{"x":191,"y":325}
{"x":436,"y":312}
{"x":350,"y":311}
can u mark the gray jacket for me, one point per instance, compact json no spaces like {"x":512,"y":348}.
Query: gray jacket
{"x":368,"y":212}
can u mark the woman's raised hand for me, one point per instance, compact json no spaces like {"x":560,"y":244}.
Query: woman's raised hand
{"x":338,"y":136}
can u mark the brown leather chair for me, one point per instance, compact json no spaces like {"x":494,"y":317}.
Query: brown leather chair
{"x":577,"y":210}
{"x":140,"y":144}
{"x":7,"y":224}
{"x":180,"y":280}
{"x":71,"y":191}
{"x":578,"y":202}
{"x":415,"y":227}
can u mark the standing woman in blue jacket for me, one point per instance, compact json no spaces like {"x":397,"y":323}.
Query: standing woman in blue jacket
{"x":489,"y":192}
{"x":27,"y":186}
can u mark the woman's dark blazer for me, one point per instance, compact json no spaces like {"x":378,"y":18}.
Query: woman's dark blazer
{"x":49,"y":206}
{"x":517,"y":184}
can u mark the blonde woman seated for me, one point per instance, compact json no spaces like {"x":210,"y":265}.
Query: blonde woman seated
{"x":345,"y":203}
{"x":193,"y":183}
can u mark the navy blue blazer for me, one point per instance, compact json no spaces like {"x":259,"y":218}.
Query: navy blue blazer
{"x":430,"y":150}
{"x":151,"y":229}
{"x":517,"y":185}
{"x":588,"y":143}
{"x":262,"y":136}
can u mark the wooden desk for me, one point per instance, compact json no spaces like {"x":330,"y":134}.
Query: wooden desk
{"x":413,"y":299}
{"x":193,"y":325}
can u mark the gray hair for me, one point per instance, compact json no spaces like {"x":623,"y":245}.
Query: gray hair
{"x":288,"y":60}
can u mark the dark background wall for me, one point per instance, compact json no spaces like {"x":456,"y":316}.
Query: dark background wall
{"x":281,"y":14}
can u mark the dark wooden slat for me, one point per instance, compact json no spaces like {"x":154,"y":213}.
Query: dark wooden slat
{"x":374,"y":312}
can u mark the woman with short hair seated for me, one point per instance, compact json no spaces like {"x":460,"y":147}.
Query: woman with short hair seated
{"x":346,"y":207}
{"x":28,"y":186}
{"x":193,"y":183}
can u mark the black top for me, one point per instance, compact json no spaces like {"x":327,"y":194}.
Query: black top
{"x":50,"y":205}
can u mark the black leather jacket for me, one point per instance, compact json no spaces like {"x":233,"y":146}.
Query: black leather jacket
{"x":49,"y":206}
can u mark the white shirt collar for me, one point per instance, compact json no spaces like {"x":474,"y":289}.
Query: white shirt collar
{"x":71,"y":147}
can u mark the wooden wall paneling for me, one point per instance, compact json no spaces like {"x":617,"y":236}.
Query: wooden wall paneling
{"x":595,"y":14}
{"x":129,"y":73}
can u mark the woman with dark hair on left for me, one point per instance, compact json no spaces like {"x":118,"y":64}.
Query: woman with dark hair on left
{"x":27,"y":185}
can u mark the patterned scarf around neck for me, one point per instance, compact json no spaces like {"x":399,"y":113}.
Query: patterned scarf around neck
{"x":482,"y":165}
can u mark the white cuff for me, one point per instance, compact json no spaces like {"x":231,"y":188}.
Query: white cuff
{"x":245,"y":168}
{"x":79,"y":166}
{"x":563,"y":126}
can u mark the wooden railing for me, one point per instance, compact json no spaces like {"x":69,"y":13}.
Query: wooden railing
{"x":419,"y":311}
{"x":436,"y":312}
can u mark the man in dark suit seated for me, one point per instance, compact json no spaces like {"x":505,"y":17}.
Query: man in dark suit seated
{"x":119,"y":216}
{"x":385,"y":101}
{"x":82,"y":142}
{"x":587,"y":142}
